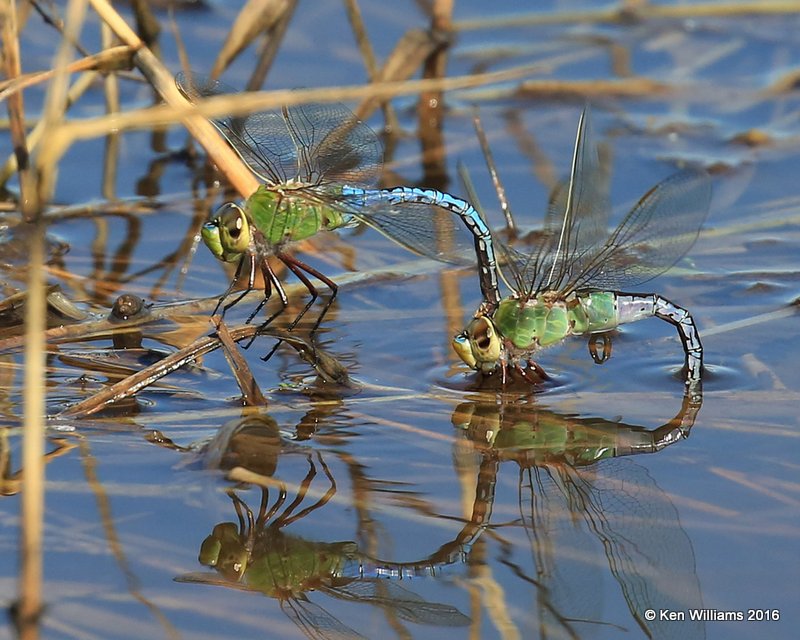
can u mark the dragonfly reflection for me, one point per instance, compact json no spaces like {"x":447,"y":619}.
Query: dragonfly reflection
{"x":575,"y":490}
{"x":256,"y":553}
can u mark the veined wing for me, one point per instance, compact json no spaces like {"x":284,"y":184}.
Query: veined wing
{"x":312,"y":143}
{"x":406,"y":604}
{"x":567,"y":564}
{"x":425,"y":229}
{"x":577,"y":221}
{"x":656,"y":233}
{"x":648,"y":552}
{"x":633,"y":522}
{"x":315,"y":622}
{"x":310,"y":618}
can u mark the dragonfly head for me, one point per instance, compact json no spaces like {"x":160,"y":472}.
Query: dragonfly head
{"x":225,"y":550}
{"x":479,"y":345}
{"x":227,"y":233}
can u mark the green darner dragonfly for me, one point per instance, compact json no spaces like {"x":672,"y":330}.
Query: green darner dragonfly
{"x":570,"y":281}
{"x":319,"y":165}
{"x":591,"y":513}
{"x":257,"y":555}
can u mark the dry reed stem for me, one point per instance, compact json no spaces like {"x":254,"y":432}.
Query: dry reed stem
{"x":272,"y":42}
{"x":34,"y":375}
{"x":255,"y":18}
{"x":80,"y":86}
{"x":16,"y":113}
{"x":251,"y":393}
{"x":33,"y":442}
{"x":240,"y":177}
{"x":117,"y":57}
{"x":131,"y":385}
{"x":374,"y":74}
{"x":442,"y":15}
{"x":55,"y":104}
{"x":643,"y":12}
{"x":242,"y":104}
{"x":111,"y":88}
{"x":32,"y":504}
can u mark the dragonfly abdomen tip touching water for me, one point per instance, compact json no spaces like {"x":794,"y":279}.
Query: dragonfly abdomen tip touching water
{"x":572,"y":279}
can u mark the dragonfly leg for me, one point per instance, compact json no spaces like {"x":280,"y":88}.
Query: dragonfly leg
{"x":297,"y":268}
{"x":283,"y":519}
{"x":261,"y":520}
{"x":538,"y":370}
{"x":251,"y":278}
{"x":278,"y":503}
{"x":687,"y":330}
{"x":241,"y":508}
{"x":270,"y":280}
{"x":532,"y":373}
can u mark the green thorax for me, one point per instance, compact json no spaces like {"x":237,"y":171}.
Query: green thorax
{"x":287,"y":566}
{"x":555,"y":439}
{"x":291,"y":214}
{"x":548,"y":318}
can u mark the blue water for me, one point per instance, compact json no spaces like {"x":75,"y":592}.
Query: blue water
{"x":416,"y":458}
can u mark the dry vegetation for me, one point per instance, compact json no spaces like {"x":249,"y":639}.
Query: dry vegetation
{"x":417,"y":66}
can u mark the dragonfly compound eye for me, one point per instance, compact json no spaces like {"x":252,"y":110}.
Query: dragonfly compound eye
{"x":227,"y":234}
{"x":480,"y":345}
{"x":462,"y":346}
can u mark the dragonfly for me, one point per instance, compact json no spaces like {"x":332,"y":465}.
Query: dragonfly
{"x":258,"y":556}
{"x":585,"y":505}
{"x":319,"y":166}
{"x":572,"y":280}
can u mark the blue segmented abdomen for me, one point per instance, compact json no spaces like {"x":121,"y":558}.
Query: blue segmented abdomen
{"x":485,"y":254}
{"x":362,"y":568}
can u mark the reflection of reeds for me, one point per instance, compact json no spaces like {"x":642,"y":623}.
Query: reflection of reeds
{"x":415,"y":50}
{"x":635,"y":11}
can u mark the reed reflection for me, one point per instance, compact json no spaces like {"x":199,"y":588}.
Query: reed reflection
{"x":257,"y":553}
{"x":586,"y":510}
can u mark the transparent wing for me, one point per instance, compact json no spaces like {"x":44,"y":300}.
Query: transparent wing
{"x":313,"y":143}
{"x":648,"y":552}
{"x":406,"y":604}
{"x":425,"y":229}
{"x":315,"y":622}
{"x":616,"y":509}
{"x":567,"y":563}
{"x":657,"y":232}
{"x":577,"y":220}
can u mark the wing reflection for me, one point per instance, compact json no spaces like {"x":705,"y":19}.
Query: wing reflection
{"x":256,"y":553}
{"x":575,"y":490}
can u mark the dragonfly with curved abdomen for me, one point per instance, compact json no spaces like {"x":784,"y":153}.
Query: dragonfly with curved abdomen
{"x":258,"y":556}
{"x":319,"y":166}
{"x":571,"y":281}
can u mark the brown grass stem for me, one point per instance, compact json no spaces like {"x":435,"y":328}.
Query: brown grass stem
{"x":164,"y":83}
{"x":241,"y":104}
{"x":16,"y":112}
{"x":33,"y":442}
{"x":78,"y":88}
{"x":626,"y":15}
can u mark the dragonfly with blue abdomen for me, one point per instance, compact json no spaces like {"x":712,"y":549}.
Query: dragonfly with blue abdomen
{"x":319,"y":166}
{"x":257,"y":555}
{"x":571,"y":281}
{"x":584,"y":504}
